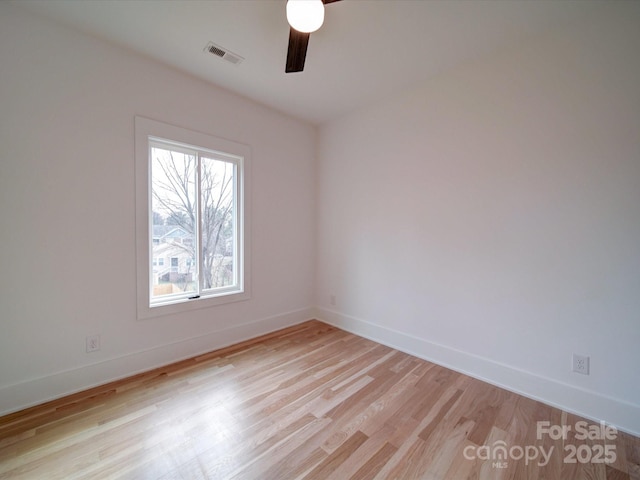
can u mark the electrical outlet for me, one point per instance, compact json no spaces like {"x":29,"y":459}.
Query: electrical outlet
{"x":580,"y":364}
{"x":93,"y":343}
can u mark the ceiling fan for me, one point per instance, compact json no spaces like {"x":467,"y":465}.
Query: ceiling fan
{"x":304,"y":17}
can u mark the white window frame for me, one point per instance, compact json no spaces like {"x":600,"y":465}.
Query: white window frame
{"x":146,"y":131}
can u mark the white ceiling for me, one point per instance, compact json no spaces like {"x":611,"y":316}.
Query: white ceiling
{"x":365,"y":51}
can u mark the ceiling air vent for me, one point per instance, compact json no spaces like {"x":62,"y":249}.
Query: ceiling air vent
{"x":223,"y":53}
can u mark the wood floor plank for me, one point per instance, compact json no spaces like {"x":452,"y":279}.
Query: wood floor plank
{"x":310,"y":401}
{"x":410,"y":446}
{"x":363,"y":454}
{"x":463,"y":468}
{"x":338,"y":457}
{"x":406,"y":462}
{"x":369,"y":469}
{"x":372,"y":418}
{"x":428,"y":430}
{"x":440,"y":455}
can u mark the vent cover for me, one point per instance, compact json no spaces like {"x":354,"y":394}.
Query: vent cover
{"x":223,"y":53}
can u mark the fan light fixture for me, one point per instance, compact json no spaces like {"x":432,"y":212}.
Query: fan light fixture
{"x":306,"y":16}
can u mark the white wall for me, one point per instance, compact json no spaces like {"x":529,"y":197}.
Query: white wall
{"x":490,"y":218}
{"x":67,"y":211}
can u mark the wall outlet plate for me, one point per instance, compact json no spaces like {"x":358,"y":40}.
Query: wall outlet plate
{"x":93,"y":343}
{"x":580,"y":364}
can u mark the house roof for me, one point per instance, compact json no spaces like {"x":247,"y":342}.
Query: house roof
{"x":172,"y":231}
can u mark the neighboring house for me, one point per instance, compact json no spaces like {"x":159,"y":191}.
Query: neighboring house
{"x":173,"y":258}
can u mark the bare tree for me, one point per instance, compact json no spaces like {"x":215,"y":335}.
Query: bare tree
{"x":217,"y":223}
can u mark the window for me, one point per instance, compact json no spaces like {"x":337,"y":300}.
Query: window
{"x":190,"y":208}
{"x":174,"y":268}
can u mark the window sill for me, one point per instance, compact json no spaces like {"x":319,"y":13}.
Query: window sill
{"x":186,"y":305}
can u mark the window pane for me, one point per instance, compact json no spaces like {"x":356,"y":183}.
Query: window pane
{"x":173,"y":203}
{"x":217,"y":199}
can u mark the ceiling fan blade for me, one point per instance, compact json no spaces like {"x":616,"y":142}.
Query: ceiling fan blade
{"x":297,"y":51}
{"x":329,"y":1}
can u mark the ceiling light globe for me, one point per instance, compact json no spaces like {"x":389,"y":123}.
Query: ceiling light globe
{"x":305,"y":15}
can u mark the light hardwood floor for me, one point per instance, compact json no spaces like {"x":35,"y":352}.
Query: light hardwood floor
{"x":310,"y":401}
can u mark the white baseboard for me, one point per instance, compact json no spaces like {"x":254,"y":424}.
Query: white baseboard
{"x":36,"y":391}
{"x":595,"y":406}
